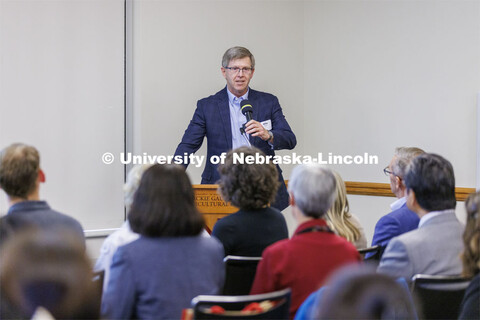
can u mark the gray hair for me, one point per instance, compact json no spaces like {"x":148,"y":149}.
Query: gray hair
{"x":237,"y":53}
{"x":403,"y":157}
{"x":314,"y":189}
{"x":133,"y":181}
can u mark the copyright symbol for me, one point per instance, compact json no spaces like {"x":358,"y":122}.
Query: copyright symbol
{"x":108,"y":158}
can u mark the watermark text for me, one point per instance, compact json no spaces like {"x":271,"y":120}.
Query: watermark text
{"x":240,"y":158}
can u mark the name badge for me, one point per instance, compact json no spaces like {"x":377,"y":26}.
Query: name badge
{"x":267,"y":124}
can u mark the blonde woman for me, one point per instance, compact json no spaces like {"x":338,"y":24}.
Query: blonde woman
{"x":341,"y":221}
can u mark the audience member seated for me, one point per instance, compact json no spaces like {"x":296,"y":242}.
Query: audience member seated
{"x":48,"y":270}
{"x":401,"y":219}
{"x":470,"y":308}
{"x":434,"y":248}
{"x":250,"y":187}
{"x":341,"y":221}
{"x":303,"y":262}
{"x":125,"y":234}
{"x":360,"y":293}
{"x":157,"y":275}
{"x":20,"y":178}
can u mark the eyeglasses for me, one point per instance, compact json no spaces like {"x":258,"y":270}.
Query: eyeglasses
{"x":387,"y":171}
{"x":236,"y":70}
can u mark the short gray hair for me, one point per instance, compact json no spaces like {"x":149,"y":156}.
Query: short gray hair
{"x":237,"y":53}
{"x":133,"y":181}
{"x":403,"y":157}
{"x":314,"y":189}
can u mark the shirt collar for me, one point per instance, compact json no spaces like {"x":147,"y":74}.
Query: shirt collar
{"x":231,"y":96}
{"x":398,"y":203}
{"x":309,"y":224}
{"x":28,"y":206}
{"x":433,"y":214}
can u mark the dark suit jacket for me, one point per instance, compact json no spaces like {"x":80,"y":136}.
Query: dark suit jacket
{"x":470,"y":308}
{"x":212,"y":119}
{"x":249,"y":232}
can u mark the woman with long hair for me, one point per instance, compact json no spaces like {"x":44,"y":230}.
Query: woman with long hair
{"x":157,"y":275}
{"x":341,"y":221}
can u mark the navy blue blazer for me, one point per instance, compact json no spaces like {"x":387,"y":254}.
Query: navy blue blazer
{"x":395,"y":223}
{"x":212,"y":119}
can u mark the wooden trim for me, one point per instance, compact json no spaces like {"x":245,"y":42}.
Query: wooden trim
{"x":213,"y":207}
{"x":462,"y":193}
{"x":209,"y":201}
{"x":383,"y":190}
{"x":367,"y":189}
{"x":205,"y":186}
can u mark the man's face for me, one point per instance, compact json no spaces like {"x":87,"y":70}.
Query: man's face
{"x":237,"y":82}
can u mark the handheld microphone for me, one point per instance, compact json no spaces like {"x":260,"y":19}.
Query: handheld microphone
{"x":246,"y":109}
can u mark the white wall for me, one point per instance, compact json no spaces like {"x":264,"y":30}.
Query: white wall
{"x":392,"y":73}
{"x":178,"y":47}
{"x":352,"y":76}
{"x":61,"y":90}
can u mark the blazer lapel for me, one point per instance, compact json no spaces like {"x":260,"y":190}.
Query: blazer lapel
{"x":224,"y":111}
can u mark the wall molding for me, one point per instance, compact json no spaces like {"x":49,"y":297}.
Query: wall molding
{"x":365,"y":189}
{"x":383,"y":190}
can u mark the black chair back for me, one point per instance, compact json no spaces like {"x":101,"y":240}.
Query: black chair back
{"x":372,"y":254}
{"x":439,"y":297}
{"x":239,"y":274}
{"x":233,"y":305}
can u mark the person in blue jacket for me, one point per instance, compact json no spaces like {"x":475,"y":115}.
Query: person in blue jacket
{"x":401,"y":219}
{"x":157,"y":275}
{"x":219,"y":118}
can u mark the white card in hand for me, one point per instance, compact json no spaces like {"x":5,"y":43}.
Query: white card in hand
{"x":267,"y":124}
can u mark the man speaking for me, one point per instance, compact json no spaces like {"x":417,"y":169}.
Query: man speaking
{"x":219,"y":117}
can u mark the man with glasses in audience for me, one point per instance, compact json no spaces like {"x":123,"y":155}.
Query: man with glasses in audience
{"x":434,"y":247}
{"x":401,"y":219}
{"x":220,"y":119}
